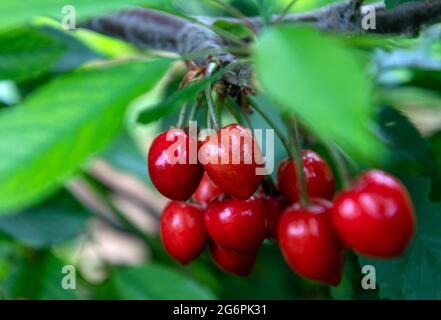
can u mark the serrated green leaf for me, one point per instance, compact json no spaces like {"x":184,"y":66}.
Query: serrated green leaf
{"x":56,"y":221}
{"x":19,"y":12}
{"x":48,"y":136}
{"x":415,"y":275}
{"x":330,"y":92}
{"x":154,"y":281}
{"x":26,"y":53}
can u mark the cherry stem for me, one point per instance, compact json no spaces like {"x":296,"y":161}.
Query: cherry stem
{"x":271,"y":123}
{"x":182,"y":114}
{"x":340,"y":163}
{"x":232,"y":110}
{"x":211,"y":68}
{"x":296,"y":150}
{"x":193,"y":110}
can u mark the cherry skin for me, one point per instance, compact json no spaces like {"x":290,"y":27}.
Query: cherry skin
{"x":232,"y":262}
{"x":375,"y":217}
{"x":318,"y":176}
{"x":207,"y":191}
{"x":273,"y":207}
{"x":169,"y":165}
{"x":236,"y":225}
{"x":183,"y":231}
{"x":231,"y":158}
{"x":309,"y":243}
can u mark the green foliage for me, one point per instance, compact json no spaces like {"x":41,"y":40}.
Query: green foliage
{"x":19,"y":12}
{"x":54,"y":222}
{"x":38,"y":276}
{"x":47,"y":137}
{"x":332,"y":95}
{"x":415,"y":275}
{"x":26,"y":53}
{"x":154,"y":281}
{"x":390,"y":4}
{"x":400,"y":135}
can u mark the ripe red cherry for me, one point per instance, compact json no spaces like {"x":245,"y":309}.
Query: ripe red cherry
{"x":183,"y":231}
{"x":207,"y":191}
{"x":309,"y":243}
{"x":236,"y":225}
{"x":232,"y":158}
{"x":375,"y":216}
{"x":173,"y":172}
{"x":273,"y":208}
{"x":232,"y":262}
{"x":318,"y":176}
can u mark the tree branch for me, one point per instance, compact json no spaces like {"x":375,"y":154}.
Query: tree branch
{"x":196,"y":41}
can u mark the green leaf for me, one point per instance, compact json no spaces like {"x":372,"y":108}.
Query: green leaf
{"x":317,"y":78}
{"x":390,"y":4}
{"x":154,"y":281}
{"x":26,"y":53}
{"x":19,"y":12}
{"x":58,"y":220}
{"x":172,"y":104}
{"x":415,"y":275}
{"x":47,"y":137}
{"x":38,"y":276}
{"x":403,"y":137}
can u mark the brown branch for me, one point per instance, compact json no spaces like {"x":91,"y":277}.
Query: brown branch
{"x":196,"y":41}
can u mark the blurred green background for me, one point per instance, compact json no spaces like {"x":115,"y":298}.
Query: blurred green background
{"x":74,"y":188}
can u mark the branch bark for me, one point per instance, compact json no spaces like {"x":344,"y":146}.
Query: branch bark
{"x":196,"y":41}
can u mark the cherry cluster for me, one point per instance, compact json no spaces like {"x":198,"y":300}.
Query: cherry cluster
{"x":223,"y":205}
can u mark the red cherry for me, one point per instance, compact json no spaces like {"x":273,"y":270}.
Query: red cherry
{"x":232,"y":158}
{"x":318,"y":175}
{"x":273,"y":208}
{"x":173,"y":172}
{"x":207,"y":191}
{"x":375,"y":216}
{"x":183,"y":231}
{"x":309,"y":243}
{"x":236,"y":225}
{"x":232,"y":262}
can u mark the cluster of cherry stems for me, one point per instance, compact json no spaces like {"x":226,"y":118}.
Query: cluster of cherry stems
{"x":223,"y":205}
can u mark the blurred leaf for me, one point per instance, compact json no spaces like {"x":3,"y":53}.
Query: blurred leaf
{"x":38,"y":276}
{"x":47,"y":137}
{"x":416,"y":274}
{"x":410,"y":97}
{"x":59,"y":219}
{"x":124,"y":154}
{"x":332,"y":95}
{"x":271,"y":278}
{"x":19,"y":12}
{"x":154,"y":281}
{"x":26,"y":53}
{"x":76,"y":52}
{"x":390,"y":4}
{"x":172,"y":103}
{"x":400,"y":135}
{"x":435,"y":192}
{"x":237,"y":29}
